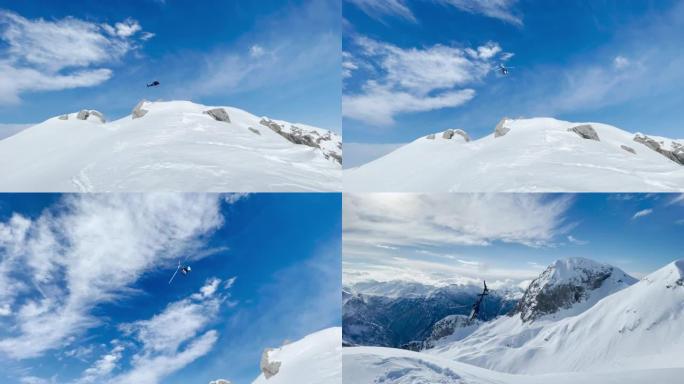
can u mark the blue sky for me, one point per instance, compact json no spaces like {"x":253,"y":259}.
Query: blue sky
{"x":410,"y":70}
{"x":507,"y":239}
{"x":279,"y":58}
{"x":84,"y":293}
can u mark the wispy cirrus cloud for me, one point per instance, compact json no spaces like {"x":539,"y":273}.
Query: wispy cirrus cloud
{"x":642,"y":213}
{"x":503,"y":10}
{"x":56,"y":268}
{"x":443,"y":219}
{"x":403,"y":80}
{"x":42,"y":55}
{"x":379,"y":9}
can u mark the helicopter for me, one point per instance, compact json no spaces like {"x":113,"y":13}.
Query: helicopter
{"x":153,"y":84}
{"x":184,"y":269}
{"x":502,"y":69}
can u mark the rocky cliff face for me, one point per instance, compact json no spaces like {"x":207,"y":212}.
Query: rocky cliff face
{"x":409,"y":316}
{"x":567,"y":283}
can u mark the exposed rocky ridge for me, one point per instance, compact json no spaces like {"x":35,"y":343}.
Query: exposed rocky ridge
{"x":309,"y":138}
{"x":85,"y":114}
{"x":675,"y":153}
{"x":565,"y":283}
{"x":371,"y":319}
{"x":456,"y":327}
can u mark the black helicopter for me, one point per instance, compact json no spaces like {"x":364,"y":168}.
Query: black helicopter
{"x":184,"y":269}
{"x":153,"y":84}
{"x":503,"y":70}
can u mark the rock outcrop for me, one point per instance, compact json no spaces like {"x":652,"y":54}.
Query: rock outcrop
{"x":463,"y":134}
{"x":220,"y":381}
{"x":138,"y":111}
{"x":501,"y":129}
{"x":64,"y":117}
{"x":254,"y":130}
{"x":628,"y":149}
{"x":219,"y":114}
{"x":450,"y":134}
{"x":85,"y":114}
{"x":268,"y":368}
{"x":585,"y":131}
{"x":675,"y":153}
{"x":566,"y":283}
{"x":310,"y":138}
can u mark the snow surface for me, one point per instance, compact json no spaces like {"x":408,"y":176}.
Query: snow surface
{"x":536,"y":155}
{"x":315,"y":359}
{"x":632,"y":335}
{"x":174,"y":147}
{"x":366,"y":365}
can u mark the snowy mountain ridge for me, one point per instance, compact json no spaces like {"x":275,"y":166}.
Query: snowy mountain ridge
{"x":170,"y":146}
{"x":633,"y":335}
{"x":528,"y":155}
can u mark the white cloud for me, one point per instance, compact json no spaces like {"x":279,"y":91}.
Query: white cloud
{"x":678,"y":199}
{"x":576,"y":241}
{"x":5,"y":310}
{"x":256,"y":51}
{"x":230,"y":282}
{"x":442,"y":219}
{"x":300,"y":45}
{"x":127,"y":28}
{"x":42,"y":55}
{"x":621,"y":62}
{"x":498,"y":9}
{"x":102,"y":367}
{"x":151,"y":370}
{"x":407,"y":80}
{"x":232,"y":198}
{"x":642,"y":213}
{"x":166,"y":342}
{"x":88,"y":250}
{"x":378,"y":9}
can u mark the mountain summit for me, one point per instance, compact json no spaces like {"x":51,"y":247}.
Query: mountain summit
{"x":170,"y":146}
{"x":527,"y":155}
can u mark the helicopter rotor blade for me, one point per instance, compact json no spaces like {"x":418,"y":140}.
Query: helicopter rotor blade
{"x":174,"y":274}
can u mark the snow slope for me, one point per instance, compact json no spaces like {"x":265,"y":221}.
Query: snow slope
{"x":534,"y":155}
{"x":173,"y":147}
{"x":633,"y":335}
{"x":367,"y":365}
{"x":639,"y":327}
{"x":315,"y":359}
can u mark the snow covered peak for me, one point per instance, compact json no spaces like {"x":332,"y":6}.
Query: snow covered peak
{"x":317,"y":358}
{"x":528,"y":155}
{"x":671,"y":275}
{"x":570,"y":286}
{"x":171,"y":146}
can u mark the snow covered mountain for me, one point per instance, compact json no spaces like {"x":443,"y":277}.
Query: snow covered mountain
{"x":317,"y":358}
{"x":527,"y":155}
{"x":170,"y":146}
{"x":396,"y":313}
{"x":632,"y":335}
{"x":570,"y":286}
